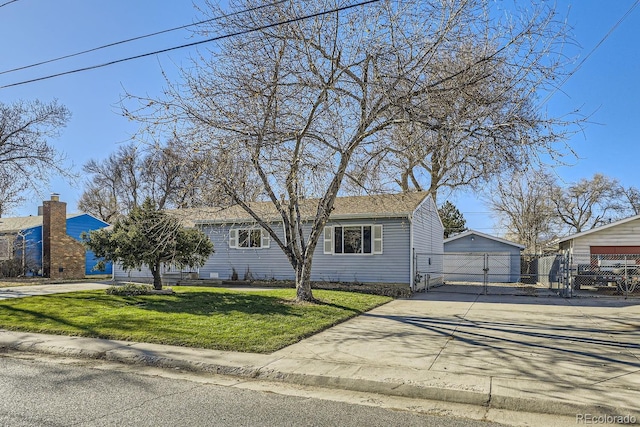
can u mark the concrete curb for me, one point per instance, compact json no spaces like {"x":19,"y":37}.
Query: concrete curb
{"x":499,"y":393}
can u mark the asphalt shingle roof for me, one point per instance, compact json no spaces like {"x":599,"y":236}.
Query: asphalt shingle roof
{"x":375,"y":206}
{"x":15,"y":224}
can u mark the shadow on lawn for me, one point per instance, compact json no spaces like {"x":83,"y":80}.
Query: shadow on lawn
{"x":40,"y":316}
{"x":228,"y":302}
{"x":201,"y":303}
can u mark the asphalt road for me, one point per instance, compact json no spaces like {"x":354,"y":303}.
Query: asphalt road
{"x":41,"y":391}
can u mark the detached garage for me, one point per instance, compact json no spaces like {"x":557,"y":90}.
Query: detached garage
{"x":611,"y":241}
{"x":469,"y":254}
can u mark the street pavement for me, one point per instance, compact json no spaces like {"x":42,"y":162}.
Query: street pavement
{"x":531,"y":352}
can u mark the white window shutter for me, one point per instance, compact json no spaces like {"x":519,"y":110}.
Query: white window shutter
{"x":377,"y":239}
{"x":233,"y":238}
{"x":266,"y":239}
{"x":328,"y":240}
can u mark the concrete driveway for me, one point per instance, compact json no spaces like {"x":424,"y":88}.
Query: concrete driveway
{"x":581,"y":350}
{"x":28,"y":291}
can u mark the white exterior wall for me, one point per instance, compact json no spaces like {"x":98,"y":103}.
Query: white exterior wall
{"x":627,"y":234}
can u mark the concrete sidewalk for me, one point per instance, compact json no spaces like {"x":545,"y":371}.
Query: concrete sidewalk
{"x":536,"y":354}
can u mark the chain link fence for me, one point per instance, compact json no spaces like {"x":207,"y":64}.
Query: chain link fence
{"x":606,"y":273}
{"x":496,"y":272}
{"x":567,"y":274}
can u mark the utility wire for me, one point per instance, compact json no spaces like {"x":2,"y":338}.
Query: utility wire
{"x":606,"y":36}
{"x":136,"y":38}
{"x":9,"y":2}
{"x":238,"y":33}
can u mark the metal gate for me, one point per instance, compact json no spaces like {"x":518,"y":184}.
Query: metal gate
{"x":489,"y":273}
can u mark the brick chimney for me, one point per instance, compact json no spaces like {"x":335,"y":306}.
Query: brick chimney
{"x":63,"y":257}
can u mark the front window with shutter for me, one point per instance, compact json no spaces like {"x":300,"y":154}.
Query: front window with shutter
{"x":254,"y":238}
{"x":353,"y":239}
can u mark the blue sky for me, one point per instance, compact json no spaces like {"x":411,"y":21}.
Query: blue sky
{"x":606,"y":86}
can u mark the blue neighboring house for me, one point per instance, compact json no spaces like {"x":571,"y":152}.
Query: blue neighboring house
{"x":20,"y":235}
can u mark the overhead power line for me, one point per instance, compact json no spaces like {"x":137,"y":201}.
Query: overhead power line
{"x":225,"y":36}
{"x":606,"y":36}
{"x":48,"y":61}
{"x":8,"y":2}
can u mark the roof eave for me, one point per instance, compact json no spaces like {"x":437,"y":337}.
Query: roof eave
{"x":305,"y":219}
{"x":486,"y":236}
{"x":604,"y":227}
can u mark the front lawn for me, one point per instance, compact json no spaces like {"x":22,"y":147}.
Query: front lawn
{"x":249,"y":321}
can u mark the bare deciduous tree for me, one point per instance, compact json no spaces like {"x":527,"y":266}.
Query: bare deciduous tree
{"x":27,"y":157}
{"x":588,"y":203}
{"x":307,"y":104}
{"x":168,"y":175}
{"x":522,"y":203}
{"x":482,"y":119}
{"x":11,"y":193}
{"x":630,"y":199}
{"x":114,"y":186}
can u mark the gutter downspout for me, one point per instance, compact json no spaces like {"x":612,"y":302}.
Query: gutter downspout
{"x":411,"y":260}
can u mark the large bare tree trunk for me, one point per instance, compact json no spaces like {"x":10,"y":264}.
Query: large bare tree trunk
{"x":303,"y":282}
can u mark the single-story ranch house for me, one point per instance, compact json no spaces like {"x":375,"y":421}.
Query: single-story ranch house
{"x":367,"y":239}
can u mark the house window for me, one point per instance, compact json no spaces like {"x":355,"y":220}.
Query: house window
{"x":248,"y":238}
{"x":353,"y":239}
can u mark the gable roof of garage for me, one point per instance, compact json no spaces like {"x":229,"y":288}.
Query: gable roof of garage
{"x":486,"y":236}
{"x":603,"y":227}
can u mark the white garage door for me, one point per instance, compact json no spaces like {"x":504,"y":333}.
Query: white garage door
{"x":469,"y":267}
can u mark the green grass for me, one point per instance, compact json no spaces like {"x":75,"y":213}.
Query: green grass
{"x":258,"y":321}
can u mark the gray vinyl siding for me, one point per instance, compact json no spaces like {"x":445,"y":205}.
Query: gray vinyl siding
{"x":258,"y":263}
{"x":482,"y":245}
{"x":142,"y":274}
{"x":428,"y":237}
{"x":392,"y":266}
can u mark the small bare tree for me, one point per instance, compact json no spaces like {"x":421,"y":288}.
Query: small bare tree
{"x":630,"y":200}
{"x":306,"y":93}
{"x":27,"y":158}
{"x":521,"y":202}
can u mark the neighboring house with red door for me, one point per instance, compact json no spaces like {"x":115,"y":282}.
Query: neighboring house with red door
{"x":612,"y":242}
